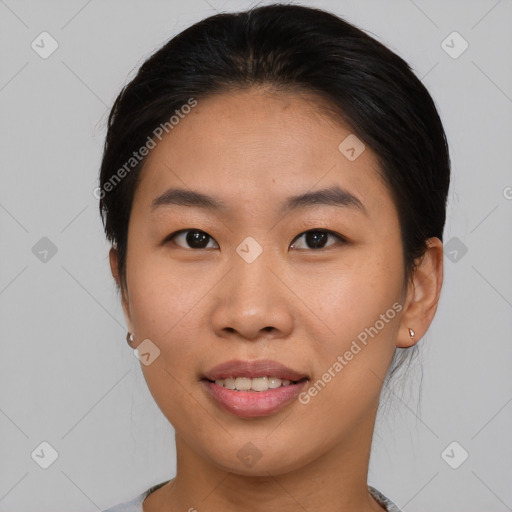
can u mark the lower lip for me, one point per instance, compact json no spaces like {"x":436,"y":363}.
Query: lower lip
{"x":254,"y":404}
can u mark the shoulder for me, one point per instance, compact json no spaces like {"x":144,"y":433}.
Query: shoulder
{"x":383,"y":500}
{"x":135,"y":505}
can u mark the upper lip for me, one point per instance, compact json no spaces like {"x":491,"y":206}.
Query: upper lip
{"x":257,"y":368}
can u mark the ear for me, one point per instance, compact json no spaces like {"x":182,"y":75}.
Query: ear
{"x":422,"y":296}
{"x":114,"y":268}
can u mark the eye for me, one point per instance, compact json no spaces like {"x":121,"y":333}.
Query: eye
{"x":195,"y":238}
{"x":317,"y":238}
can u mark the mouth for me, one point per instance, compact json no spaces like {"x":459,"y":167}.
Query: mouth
{"x":251,"y":389}
{"x":255,"y":384}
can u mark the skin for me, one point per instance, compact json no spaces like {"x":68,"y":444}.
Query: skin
{"x":296,"y":304}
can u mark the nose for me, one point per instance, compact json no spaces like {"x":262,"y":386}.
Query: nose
{"x":253,"y":302}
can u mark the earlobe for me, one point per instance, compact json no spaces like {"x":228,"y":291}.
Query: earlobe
{"x":423,"y":294}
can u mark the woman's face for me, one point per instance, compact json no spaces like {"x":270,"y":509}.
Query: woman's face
{"x":245,"y":282}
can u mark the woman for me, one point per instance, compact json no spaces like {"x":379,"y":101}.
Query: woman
{"x":274,"y":185}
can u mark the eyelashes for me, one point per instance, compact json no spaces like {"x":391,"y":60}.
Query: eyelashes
{"x":317,"y":237}
{"x":196,"y":239}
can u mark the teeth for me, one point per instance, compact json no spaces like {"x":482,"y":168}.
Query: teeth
{"x":254,"y":384}
{"x":242,"y":384}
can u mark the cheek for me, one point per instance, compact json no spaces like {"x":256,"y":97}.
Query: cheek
{"x":163,"y":296}
{"x":357,"y":310}
{"x":353,"y":294}
{"x":165,"y":308}
{"x":351,"y":358}
{"x":163,"y":305}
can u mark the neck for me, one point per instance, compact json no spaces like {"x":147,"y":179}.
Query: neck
{"x":334,"y":481}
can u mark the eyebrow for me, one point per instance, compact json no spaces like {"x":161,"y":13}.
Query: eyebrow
{"x":330,"y":196}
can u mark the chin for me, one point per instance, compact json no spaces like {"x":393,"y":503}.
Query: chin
{"x":246,"y":459}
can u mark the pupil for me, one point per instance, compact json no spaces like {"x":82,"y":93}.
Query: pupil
{"x":197,"y":239}
{"x":315,"y":238}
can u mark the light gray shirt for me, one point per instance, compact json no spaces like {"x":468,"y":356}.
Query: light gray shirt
{"x":135,"y":505}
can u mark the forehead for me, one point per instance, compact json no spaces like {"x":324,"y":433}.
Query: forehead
{"x":255,"y":146}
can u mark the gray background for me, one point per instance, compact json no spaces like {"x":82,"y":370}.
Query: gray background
{"x":68,"y":377}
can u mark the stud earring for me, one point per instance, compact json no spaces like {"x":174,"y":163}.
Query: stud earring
{"x":411,"y":333}
{"x":129,"y":338}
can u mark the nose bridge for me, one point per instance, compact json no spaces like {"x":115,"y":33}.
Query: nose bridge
{"x":253,"y":298}
{"x":252,"y":280}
